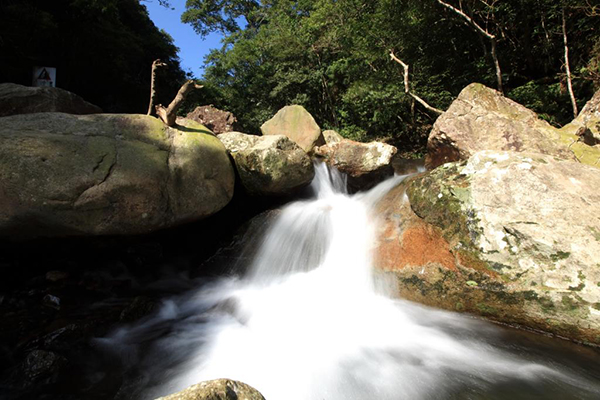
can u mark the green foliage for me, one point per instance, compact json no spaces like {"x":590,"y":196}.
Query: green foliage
{"x":548,"y":98}
{"x":333,"y":58}
{"x":208,"y":16}
{"x":102,"y":49}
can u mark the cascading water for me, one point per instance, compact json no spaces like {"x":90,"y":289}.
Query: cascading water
{"x":310,"y":320}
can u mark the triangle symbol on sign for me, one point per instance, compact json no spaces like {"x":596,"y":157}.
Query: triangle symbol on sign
{"x":44,"y":75}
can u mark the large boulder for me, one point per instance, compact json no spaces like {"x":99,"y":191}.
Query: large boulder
{"x":216,"y":120}
{"x":482,"y":119}
{"x":297,"y":124}
{"x":366,"y":164}
{"x":218,"y":389}
{"x":18,"y":99}
{"x":103,"y":174}
{"x":514,"y":237}
{"x":268,"y":165}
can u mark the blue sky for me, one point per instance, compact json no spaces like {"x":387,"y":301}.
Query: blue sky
{"x":192,"y":48}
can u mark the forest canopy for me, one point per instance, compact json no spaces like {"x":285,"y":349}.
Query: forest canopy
{"x":333,"y":57}
{"x":102,"y":49}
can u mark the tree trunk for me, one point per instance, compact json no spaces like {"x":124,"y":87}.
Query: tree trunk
{"x":155,"y":65}
{"x":567,"y":66}
{"x":492,"y":38}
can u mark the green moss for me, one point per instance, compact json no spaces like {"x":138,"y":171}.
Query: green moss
{"x":569,"y":304}
{"x":470,"y":259}
{"x":499,"y":267}
{"x":459,"y":306}
{"x":438,"y":198}
{"x":581,"y":285}
{"x":486,"y":309}
{"x":416,"y":282}
{"x":585,"y":154}
{"x":189,"y":125}
{"x":546,"y":304}
{"x":577,"y":288}
{"x":595,"y":233}
{"x":560,"y":255}
{"x":530,"y":295}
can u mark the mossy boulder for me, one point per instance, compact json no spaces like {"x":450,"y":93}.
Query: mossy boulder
{"x":218,"y":389}
{"x":511,"y":236}
{"x":18,"y":99}
{"x":297,"y":124}
{"x":483,"y":119}
{"x":104,"y":174}
{"x":268,"y":165}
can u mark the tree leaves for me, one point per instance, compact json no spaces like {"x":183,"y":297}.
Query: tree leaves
{"x":332,"y":57}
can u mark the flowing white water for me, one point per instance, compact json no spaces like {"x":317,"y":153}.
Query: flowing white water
{"x":310,"y":321}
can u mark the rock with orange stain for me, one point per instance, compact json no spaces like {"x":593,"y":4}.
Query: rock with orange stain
{"x":509,"y":236}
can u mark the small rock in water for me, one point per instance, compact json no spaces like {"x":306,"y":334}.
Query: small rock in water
{"x":56,"y":276}
{"x":52,"y":301}
{"x":218,"y":389}
{"x":41,"y":364}
{"x":139,"y":308}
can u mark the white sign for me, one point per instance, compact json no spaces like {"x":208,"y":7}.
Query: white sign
{"x":44,"y":76}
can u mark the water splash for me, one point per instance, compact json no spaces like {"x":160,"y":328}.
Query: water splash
{"x":309,"y":322}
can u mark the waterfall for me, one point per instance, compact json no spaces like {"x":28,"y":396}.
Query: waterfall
{"x":310,"y":321}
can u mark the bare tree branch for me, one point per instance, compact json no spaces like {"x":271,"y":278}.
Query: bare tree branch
{"x":407,"y":86}
{"x":155,"y":65}
{"x":484,"y":32}
{"x":169,"y":115}
{"x":567,"y":66}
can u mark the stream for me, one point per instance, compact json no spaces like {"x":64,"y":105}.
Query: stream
{"x":310,"y":319}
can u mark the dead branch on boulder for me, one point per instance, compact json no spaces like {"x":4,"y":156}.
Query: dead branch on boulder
{"x":155,"y":65}
{"x":169,"y":115}
{"x":407,"y":86}
{"x":483,"y":32}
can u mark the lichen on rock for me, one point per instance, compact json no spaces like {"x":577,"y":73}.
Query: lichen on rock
{"x":483,"y":119}
{"x":107,"y":174}
{"x":268,"y":165}
{"x":518,"y":225}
